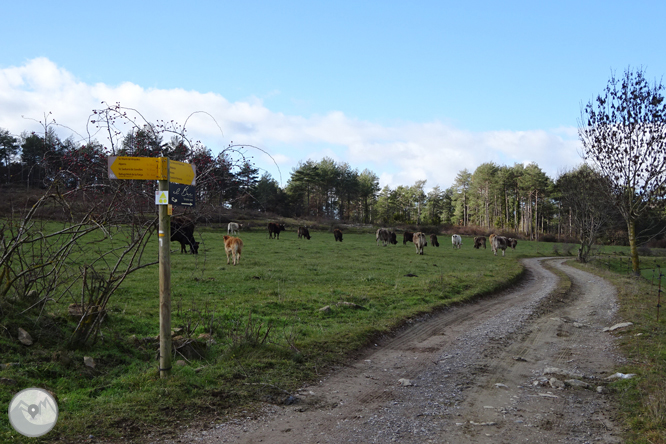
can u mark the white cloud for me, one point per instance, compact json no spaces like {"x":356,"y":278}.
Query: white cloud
{"x":399,"y":154}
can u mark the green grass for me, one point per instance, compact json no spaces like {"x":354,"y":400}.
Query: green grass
{"x":282,"y":284}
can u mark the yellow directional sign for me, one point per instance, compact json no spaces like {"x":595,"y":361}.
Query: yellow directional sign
{"x":140,"y":168}
{"x":181,"y":172}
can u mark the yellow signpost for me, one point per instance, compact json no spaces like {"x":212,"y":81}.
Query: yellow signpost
{"x":165,"y":171}
{"x":181,"y":172}
{"x":140,"y":168}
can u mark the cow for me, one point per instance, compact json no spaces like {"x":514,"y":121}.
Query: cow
{"x":433,"y":240}
{"x":408,"y":236}
{"x":382,"y":235}
{"x":234,"y":228}
{"x":498,"y":242}
{"x":337,"y":234}
{"x":274,"y":229}
{"x":419,"y":240}
{"x":303,"y":232}
{"x":480,"y":241}
{"x":233,"y":246}
{"x":456,"y":241}
{"x":182,"y":230}
{"x":393,"y":238}
{"x":511,"y":242}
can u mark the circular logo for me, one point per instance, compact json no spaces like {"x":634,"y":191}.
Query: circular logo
{"x":33,"y":412}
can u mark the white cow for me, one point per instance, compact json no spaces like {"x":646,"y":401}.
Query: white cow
{"x":233,"y":228}
{"x":456,"y":240}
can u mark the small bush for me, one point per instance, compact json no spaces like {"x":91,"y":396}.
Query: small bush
{"x":644,"y":250}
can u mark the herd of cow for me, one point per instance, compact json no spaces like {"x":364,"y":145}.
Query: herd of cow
{"x":496,"y":242}
{"x":182,"y":231}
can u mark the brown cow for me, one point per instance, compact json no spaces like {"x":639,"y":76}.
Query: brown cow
{"x":407,"y":237}
{"x":337,"y":234}
{"x":303,"y":232}
{"x":433,"y":240}
{"x":419,"y":240}
{"x":274,"y":229}
{"x":480,"y":241}
{"x":233,"y":246}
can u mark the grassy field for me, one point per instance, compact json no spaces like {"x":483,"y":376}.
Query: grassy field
{"x":288,"y":313}
{"x":267,"y":318}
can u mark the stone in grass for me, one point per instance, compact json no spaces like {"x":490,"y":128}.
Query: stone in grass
{"x":24,"y":337}
{"x":89,"y":362}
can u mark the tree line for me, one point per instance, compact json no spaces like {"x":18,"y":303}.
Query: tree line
{"x":621,"y":183}
{"x":519,"y":198}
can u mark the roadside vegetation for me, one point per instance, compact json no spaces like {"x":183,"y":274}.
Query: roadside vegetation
{"x":642,"y":399}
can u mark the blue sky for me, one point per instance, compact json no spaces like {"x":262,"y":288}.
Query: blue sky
{"x":411,"y":91}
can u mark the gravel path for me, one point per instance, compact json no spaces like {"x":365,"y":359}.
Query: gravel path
{"x":521,"y":366}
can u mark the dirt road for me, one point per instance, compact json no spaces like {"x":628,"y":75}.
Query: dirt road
{"x":489,"y":372}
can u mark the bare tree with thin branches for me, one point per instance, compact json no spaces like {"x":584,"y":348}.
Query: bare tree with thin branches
{"x":623,"y":133}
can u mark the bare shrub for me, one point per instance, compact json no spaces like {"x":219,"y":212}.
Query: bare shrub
{"x":251,"y":333}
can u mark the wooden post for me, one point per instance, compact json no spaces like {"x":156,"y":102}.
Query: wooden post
{"x":165,"y":281}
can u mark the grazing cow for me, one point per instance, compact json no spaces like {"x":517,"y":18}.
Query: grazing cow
{"x":182,"y":230}
{"x":303,"y":232}
{"x":456,"y":240}
{"x":511,"y":242}
{"x":274,"y":229}
{"x":382,"y":235}
{"x":393,"y":238}
{"x":233,"y":246}
{"x":234,"y":228}
{"x":433,"y":240}
{"x":337,"y":234}
{"x":407,"y":237}
{"x":498,"y":242}
{"x":480,"y":241}
{"x":419,"y":240}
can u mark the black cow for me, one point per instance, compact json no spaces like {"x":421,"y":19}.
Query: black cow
{"x":433,"y":240}
{"x":337,"y":234}
{"x":511,"y":242}
{"x":182,"y":230}
{"x":407,"y":237}
{"x":274,"y":229}
{"x":303,"y":232}
{"x":480,"y":241}
{"x":393,"y":238}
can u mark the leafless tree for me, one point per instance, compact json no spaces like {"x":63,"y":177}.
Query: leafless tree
{"x":586,"y":193}
{"x":623,"y":133}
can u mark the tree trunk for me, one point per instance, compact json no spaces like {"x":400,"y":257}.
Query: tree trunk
{"x":633,"y":247}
